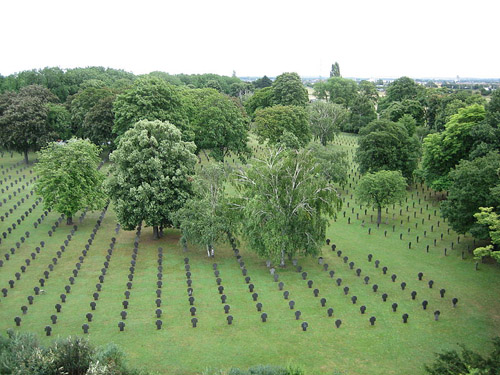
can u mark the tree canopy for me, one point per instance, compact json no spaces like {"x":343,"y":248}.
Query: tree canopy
{"x":472,"y":185}
{"x":442,"y":151}
{"x":289,"y":90}
{"x":284,"y":204}
{"x":218,"y":124}
{"x":326,"y":120}
{"x":151,"y":175}
{"x":149,"y":98}
{"x":272,"y":122}
{"x":381,"y":189}
{"x":387,"y":145}
{"x":69,"y":180}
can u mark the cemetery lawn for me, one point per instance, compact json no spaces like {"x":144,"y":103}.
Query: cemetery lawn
{"x":388,"y":347}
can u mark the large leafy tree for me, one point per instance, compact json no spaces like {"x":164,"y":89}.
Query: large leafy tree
{"x":472,"y":185}
{"x":262,"y":82}
{"x":151,"y":175}
{"x":261,"y":98}
{"x":385,"y":145}
{"x":98,"y":123}
{"x":334,"y":164}
{"x":150,"y":98}
{"x":218,"y":124}
{"x":362,"y":112}
{"x":442,"y":151}
{"x":82,"y":103}
{"x":23,"y":120}
{"x":381,"y":189}
{"x":396,"y":110}
{"x":69,"y":180}
{"x":486,"y":216}
{"x":399,"y":90}
{"x":326,"y":119}
{"x":285,"y":203}
{"x":272,"y":122}
{"x":337,"y":90}
{"x":205,"y":218}
{"x":289,"y":90}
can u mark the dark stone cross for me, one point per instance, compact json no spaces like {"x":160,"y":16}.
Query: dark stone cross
{"x":297,"y":314}
{"x":372,"y":320}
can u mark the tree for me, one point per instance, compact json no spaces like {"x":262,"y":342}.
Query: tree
{"x":334,"y":164}
{"x":397,"y":110}
{"x":219,"y":125}
{"x":151,"y":175}
{"x":399,"y":90}
{"x":362,"y":113}
{"x":326,"y":119}
{"x":493,"y":109}
{"x":82,"y":103}
{"x":284,"y":203}
{"x":98,"y":123}
{"x":289,"y":90}
{"x":369,"y":90}
{"x":472,"y":186}
{"x":381,"y":189}
{"x":442,"y":151}
{"x":386,"y":145}
{"x":467,"y":362}
{"x":272,"y":122}
{"x":335,"y":72}
{"x":23,"y":121}
{"x":69,"y":180}
{"x":204,"y":219}
{"x":262,"y":82}
{"x":59,"y":121}
{"x":261,"y":98}
{"x":149,"y":98}
{"x":486,"y":216}
{"x":337,"y":90}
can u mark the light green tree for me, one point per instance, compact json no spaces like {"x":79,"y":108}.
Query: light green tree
{"x":284,"y":203}
{"x":486,"y":216}
{"x":288,"y":89}
{"x":381,"y":189}
{"x":151,"y":175}
{"x":205,"y":219}
{"x":68,"y":177}
{"x":326,"y":120}
{"x":272,"y":122}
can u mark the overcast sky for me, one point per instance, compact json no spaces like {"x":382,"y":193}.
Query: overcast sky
{"x":369,"y":38}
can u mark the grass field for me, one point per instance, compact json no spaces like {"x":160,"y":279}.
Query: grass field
{"x":388,"y":347}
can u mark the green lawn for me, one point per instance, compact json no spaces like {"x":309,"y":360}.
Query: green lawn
{"x":388,"y":347}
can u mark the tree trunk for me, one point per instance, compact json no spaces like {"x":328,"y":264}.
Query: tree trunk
{"x":208,"y":251}
{"x":155,"y":232}
{"x":161,"y":231}
{"x":323,"y":140}
{"x":26,"y":156}
{"x":69,"y":220}
{"x":282,"y":262}
{"x":379,"y":215}
{"x":199,"y":158}
{"x":205,"y":153}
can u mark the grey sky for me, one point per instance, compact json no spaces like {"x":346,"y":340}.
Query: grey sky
{"x":369,"y":38}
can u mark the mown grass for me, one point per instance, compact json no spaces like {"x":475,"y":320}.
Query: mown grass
{"x":388,"y":347}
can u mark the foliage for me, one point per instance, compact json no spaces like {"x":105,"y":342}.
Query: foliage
{"x":466,"y":362}
{"x":335,"y":71}
{"x":337,"y":90}
{"x":151,"y":175}
{"x":262,"y":82}
{"x":98,"y":123}
{"x":289,"y":90}
{"x":68,"y":177}
{"x":381,"y":189}
{"x":387,"y":145}
{"x":58,"y":120}
{"x":261,"y":98}
{"x":204,"y":219}
{"x":362,"y":113}
{"x":272,"y":122}
{"x":442,"y":151}
{"x":471,"y":185}
{"x":149,"y":98}
{"x":326,"y":119}
{"x":368,"y":89}
{"x":396,"y":110}
{"x":218,"y":124}
{"x":21,"y":354}
{"x":403,"y":88}
{"x":488,"y":217}
{"x":493,"y":109}
{"x":334,"y":164}
{"x":284,"y":203}
{"x":82,"y":103}
{"x":23,"y":120}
